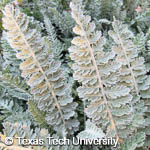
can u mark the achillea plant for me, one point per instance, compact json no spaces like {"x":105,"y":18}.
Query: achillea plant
{"x":75,"y":70}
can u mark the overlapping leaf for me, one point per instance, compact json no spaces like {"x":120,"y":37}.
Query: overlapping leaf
{"x":98,"y":72}
{"x":42,"y":72}
{"x":133,"y":71}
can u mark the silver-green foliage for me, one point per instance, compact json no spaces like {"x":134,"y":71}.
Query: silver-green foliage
{"x":15,"y":86}
{"x":56,"y":46}
{"x":133,"y":70}
{"x":11,"y":109}
{"x":134,"y":142}
{"x":24,"y":131}
{"x":109,"y":66}
{"x":107,"y":101}
{"x":91,"y":132}
{"x":105,"y":8}
{"x":43,"y":74}
{"x":10,"y":60}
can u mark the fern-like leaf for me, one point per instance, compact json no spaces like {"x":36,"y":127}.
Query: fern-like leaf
{"x":124,"y":49}
{"x":96,"y":70}
{"x":9,"y":56}
{"x":56,"y":45}
{"x":134,"y":142}
{"x":133,"y":70}
{"x":15,"y":86}
{"x":43,"y":73}
{"x":38,"y":115}
{"x":91,"y":132}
